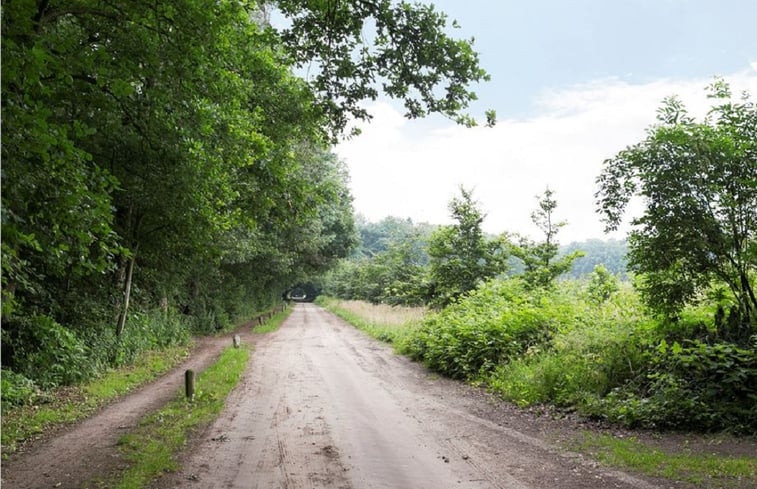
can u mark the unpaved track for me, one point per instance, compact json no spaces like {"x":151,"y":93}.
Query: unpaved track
{"x":89,"y":449}
{"x":323,"y":406}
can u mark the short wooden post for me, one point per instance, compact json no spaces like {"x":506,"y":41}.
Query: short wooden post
{"x":237,"y":341}
{"x":189,"y":383}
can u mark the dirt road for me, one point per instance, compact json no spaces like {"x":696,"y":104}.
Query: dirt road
{"x":323,"y":406}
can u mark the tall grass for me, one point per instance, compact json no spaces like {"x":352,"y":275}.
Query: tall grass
{"x":392,"y":324}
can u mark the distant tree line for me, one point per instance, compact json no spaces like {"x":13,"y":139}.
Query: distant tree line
{"x":399,"y":262}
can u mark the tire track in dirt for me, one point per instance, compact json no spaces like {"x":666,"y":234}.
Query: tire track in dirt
{"x":89,"y":449}
{"x":323,"y":406}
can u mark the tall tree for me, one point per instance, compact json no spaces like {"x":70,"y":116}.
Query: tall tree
{"x":460,"y":255}
{"x":541,"y":262}
{"x":164,"y":149}
{"x":697,"y":180}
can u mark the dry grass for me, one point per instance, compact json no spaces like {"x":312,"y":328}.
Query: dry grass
{"x":382,"y":314}
{"x":393,"y":325}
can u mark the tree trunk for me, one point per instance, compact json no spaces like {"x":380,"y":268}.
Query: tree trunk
{"x":127,"y":295}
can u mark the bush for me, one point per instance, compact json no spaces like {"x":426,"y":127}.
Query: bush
{"x":492,"y":325}
{"x":48,"y":353}
{"x":697,"y":385}
{"x":143,"y":331}
{"x":17,"y":389}
{"x":580,"y":365}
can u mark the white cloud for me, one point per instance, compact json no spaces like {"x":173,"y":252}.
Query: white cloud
{"x":399,"y":170}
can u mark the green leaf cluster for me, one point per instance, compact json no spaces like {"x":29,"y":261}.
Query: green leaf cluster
{"x":699,"y":225}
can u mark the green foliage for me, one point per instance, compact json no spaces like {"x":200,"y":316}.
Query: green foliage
{"x":395,"y":273}
{"x":173,"y":158}
{"x":461,"y":256}
{"x":582,"y":363}
{"x":488,"y":327}
{"x":409,"y":51}
{"x":602,"y":284}
{"x":48,"y":353}
{"x":151,"y":450}
{"x":541,"y":261}
{"x":17,"y":389}
{"x":609,"y":359}
{"x":31,"y":411}
{"x":707,"y":386}
{"x":705,"y":470}
{"x":699,"y":225}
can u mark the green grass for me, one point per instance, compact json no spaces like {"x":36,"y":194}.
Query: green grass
{"x":152,"y":448}
{"x":70,"y":404}
{"x":703,"y":470}
{"x":391,"y":324}
{"x":273,"y":323}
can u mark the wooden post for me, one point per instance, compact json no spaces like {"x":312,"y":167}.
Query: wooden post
{"x":127,"y":295}
{"x":237,"y":341}
{"x":189,"y":383}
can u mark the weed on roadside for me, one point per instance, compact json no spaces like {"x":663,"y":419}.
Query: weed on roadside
{"x":273,"y":323}
{"x":70,"y":404}
{"x":152,"y":447}
{"x":705,"y":470}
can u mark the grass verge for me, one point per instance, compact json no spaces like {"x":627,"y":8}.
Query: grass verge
{"x":71,"y":404}
{"x":710,"y":471}
{"x":391,"y":324}
{"x":273,"y":323}
{"x":152,"y":448}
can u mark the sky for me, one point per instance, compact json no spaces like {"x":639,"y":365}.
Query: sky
{"x":573,"y":82}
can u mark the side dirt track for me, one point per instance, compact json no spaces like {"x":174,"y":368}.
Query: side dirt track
{"x":323,"y":406}
{"x":89,"y":449}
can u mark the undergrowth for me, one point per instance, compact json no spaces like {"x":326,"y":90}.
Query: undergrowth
{"x":607,"y":359}
{"x":390,"y":324}
{"x":44,"y":410}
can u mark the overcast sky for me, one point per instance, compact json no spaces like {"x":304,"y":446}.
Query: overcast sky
{"x":572,"y":83}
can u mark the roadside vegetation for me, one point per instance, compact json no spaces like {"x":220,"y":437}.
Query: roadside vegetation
{"x":708,"y":470}
{"x":29,"y":410}
{"x":274,"y":322}
{"x":392,"y":324}
{"x":152,"y":448}
{"x":43,"y":410}
{"x":673,"y":346}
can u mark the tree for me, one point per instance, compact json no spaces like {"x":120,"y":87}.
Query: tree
{"x":602,"y":284}
{"x":405,"y":53}
{"x":460,"y":255}
{"x":540,"y":260}
{"x":166,"y":149}
{"x":699,"y":225}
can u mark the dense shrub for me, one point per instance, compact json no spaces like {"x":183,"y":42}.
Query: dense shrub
{"x":580,"y":365}
{"x":609,"y":359}
{"x":48,"y":353}
{"x":144,"y":331}
{"x":494,"y":324}
{"x":17,"y":389}
{"x":697,"y":385}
